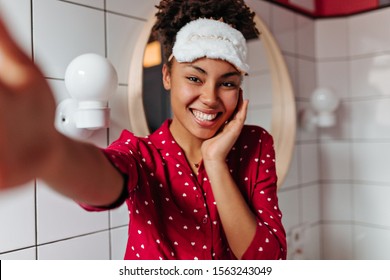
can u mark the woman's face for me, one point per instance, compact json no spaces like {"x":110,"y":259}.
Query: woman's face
{"x":204,"y":95}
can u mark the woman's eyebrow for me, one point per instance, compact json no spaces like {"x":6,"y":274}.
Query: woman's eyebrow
{"x":230,"y":74}
{"x":226,"y":75}
{"x":197,"y":68}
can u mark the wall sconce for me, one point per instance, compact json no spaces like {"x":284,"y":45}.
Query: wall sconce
{"x":90,"y":80}
{"x":322,"y":111}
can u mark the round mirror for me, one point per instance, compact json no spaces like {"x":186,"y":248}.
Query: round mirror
{"x":283,"y":122}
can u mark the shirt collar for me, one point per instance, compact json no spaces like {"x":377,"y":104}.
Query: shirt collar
{"x":163,"y":139}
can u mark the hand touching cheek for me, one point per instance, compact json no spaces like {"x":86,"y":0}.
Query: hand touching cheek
{"x":218,"y":147}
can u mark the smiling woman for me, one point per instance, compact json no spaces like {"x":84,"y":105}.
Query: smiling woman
{"x":283,"y":124}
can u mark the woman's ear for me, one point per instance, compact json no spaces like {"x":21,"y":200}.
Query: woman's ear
{"x":166,"y":77}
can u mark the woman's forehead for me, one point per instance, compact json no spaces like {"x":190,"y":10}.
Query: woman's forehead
{"x":210,"y":65}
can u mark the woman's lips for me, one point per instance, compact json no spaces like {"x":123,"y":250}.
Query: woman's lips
{"x":202,"y":116}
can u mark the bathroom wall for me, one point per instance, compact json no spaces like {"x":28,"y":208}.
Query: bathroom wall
{"x":299,"y":196}
{"x":334,"y":198}
{"x":353,"y":57}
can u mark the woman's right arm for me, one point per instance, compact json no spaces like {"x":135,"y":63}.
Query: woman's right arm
{"x":31,"y":147}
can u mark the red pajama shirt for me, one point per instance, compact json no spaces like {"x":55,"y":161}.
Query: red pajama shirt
{"x":173,"y":214}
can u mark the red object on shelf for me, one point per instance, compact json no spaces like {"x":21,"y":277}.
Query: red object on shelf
{"x":329,"y":8}
{"x":343,"y":7}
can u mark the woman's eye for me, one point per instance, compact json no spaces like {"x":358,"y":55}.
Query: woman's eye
{"x":193,"y":79}
{"x":229,"y":84}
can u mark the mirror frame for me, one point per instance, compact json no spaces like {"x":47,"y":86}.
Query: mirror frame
{"x":283,"y":126}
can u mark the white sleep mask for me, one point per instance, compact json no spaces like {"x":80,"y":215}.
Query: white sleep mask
{"x":212,"y":39}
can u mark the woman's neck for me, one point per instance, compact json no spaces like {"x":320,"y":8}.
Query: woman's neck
{"x":190,"y":144}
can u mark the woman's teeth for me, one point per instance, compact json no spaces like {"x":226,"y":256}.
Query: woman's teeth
{"x":203,"y":116}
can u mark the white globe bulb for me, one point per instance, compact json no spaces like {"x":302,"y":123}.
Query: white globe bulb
{"x":91,"y":80}
{"x":324,"y":99}
{"x":91,"y":77}
{"x":325,"y":102}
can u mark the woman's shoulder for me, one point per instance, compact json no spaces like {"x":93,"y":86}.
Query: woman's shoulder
{"x":254,"y":131}
{"x":128,"y":142}
{"x":142,"y":144}
{"x":254,"y":137}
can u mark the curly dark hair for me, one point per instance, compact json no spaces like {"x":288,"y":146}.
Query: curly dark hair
{"x":172,"y":15}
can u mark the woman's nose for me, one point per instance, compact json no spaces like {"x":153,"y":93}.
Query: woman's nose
{"x":209,"y":94}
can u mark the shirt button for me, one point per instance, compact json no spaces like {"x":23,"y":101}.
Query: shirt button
{"x":205,"y":220}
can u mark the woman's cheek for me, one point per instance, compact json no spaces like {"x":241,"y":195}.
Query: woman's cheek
{"x":231,"y":103}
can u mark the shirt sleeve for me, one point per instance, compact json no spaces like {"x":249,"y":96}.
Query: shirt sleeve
{"x":269,"y":241}
{"x":121,"y":155}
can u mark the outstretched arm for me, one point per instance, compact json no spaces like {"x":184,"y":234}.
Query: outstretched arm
{"x":31,"y":147}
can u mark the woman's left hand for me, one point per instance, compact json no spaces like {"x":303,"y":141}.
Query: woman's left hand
{"x":218,"y":147}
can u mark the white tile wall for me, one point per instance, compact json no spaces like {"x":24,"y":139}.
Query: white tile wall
{"x":333,"y":74}
{"x":311,"y":246}
{"x":284,"y":28}
{"x":291,"y":63}
{"x":370,"y":119}
{"x":90,"y":3}
{"x":260,"y":116}
{"x":369,"y":33}
{"x":310,"y":204}
{"x":305,"y":36}
{"x":354,"y":155}
{"x":257,"y":87}
{"x":122,"y":32}
{"x":17,"y":15}
{"x":331,"y":39}
{"x":292,"y":178}
{"x":370,"y":162}
{"x":60,"y":218}
{"x":262,"y":9}
{"x":260,"y":90}
{"x":17,"y":218}
{"x":341,"y":197}
{"x":119,"y":119}
{"x":307,"y":79}
{"x":290,"y":203}
{"x":118,"y":243}
{"x":26,"y":254}
{"x":89,"y":247}
{"x":119,"y":216}
{"x":341,"y":131}
{"x":136,"y":8}
{"x":309,"y":170}
{"x":369,"y":76}
{"x":371,"y":204}
{"x":337,"y":240}
{"x":335,"y":156}
{"x":57,"y":26}
{"x":257,"y":57}
{"x":304,"y":135}
{"x":371,"y":243}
